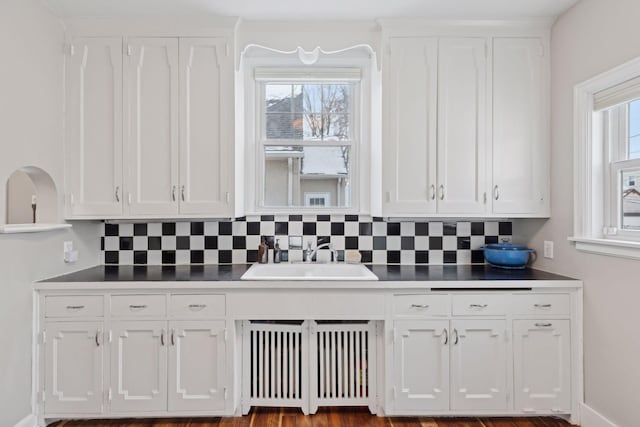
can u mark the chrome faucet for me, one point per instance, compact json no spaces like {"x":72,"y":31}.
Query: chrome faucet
{"x":310,"y":253}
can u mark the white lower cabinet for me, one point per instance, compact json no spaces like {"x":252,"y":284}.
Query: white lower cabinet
{"x":542,"y":365}
{"x":139,"y":366}
{"x":73,"y":363}
{"x":478,"y":364}
{"x":197,"y":366}
{"x":421,"y":365}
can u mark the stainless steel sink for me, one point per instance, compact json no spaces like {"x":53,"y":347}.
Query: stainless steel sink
{"x":309,"y":271}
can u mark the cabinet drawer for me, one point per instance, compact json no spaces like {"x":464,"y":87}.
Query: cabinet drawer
{"x":74,"y":306}
{"x":138,"y":305}
{"x":197,"y":306}
{"x":417,"y":305}
{"x":542,"y":304}
{"x":480,"y":305}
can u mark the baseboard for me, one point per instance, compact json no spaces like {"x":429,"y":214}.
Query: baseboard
{"x":589,"y":417}
{"x":28,"y":421}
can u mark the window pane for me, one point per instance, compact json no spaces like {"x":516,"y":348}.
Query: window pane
{"x":634,"y":130}
{"x":631,"y":200}
{"x":320,"y":111}
{"x":307,"y":176}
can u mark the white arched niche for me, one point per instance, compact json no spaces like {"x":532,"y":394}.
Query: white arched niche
{"x":32,"y":202}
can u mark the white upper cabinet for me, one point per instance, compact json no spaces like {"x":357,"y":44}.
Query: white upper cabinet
{"x":520,"y":127}
{"x":410,"y":108}
{"x":462,"y":98}
{"x":206,"y":127}
{"x":151,"y":109}
{"x":93,"y":138}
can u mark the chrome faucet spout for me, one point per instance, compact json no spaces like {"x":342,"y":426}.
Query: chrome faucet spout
{"x":311,"y":253}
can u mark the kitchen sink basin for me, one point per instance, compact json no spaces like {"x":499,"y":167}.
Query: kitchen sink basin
{"x":311,"y":271}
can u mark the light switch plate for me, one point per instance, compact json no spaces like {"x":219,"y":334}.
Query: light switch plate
{"x":548,"y":249}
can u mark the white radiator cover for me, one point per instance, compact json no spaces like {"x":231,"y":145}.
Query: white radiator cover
{"x":309,"y":364}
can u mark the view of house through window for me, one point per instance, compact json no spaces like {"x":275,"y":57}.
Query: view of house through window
{"x":307,"y":141}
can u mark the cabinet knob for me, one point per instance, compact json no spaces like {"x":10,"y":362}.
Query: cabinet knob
{"x":173,"y":193}
{"x":433,"y":192}
{"x":182,"y":193}
{"x":441,"y":192}
{"x":496,"y":192}
{"x":446,"y":336}
{"x":118,"y":194}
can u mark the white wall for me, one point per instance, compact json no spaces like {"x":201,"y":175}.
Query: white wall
{"x":592,"y":37}
{"x":20,"y":189}
{"x":31,"y":76}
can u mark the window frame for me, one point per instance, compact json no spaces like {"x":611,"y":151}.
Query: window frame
{"x":366,"y":182}
{"x":596,"y":165}
{"x":353,"y":143}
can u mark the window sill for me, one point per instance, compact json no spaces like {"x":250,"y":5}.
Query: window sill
{"x":616,"y":248}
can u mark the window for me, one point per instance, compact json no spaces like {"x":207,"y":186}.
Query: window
{"x":307,"y":138}
{"x":622,"y":138}
{"x":607,"y":163}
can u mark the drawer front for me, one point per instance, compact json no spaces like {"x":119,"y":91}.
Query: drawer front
{"x":554,"y":304}
{"x":74,"y":306}
{"x":138,"y":305}
{"x":421,"y":305}
{"x":480,"y":305}
{"x":197,"y":306}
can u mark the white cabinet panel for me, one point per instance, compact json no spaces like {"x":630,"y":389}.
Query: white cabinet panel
{"x":73,"y":367}
{"x":478,"y":364}
{"x":139,"y":366}
{"x":462,"y":98}
{"x":93,"y":139}
{"x":206,"y":126}
{"x":421,"y":365}
{"x":197,"y":366}
{"x":542,"y":368}
{"x":152,"y":114}
{"x":520,"y":127}
{"x":409,"y":149}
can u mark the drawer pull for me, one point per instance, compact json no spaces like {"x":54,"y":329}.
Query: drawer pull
{"x":162,"y":337}
{"x":197,"y":307}
{"x":419,"y":305}
{"x":75,"y":307}
{"x":173,"y":337}
{"x":455,"y":331}
{"x":478,"y":305}
{"x":446,"y":336}
{"x":542,"y":305}
{"x":98,"y":338}
{"x":133,"y":307}
{"x":544,"y":325}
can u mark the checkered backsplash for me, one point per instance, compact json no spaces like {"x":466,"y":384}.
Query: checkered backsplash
{"x":378,"y":240}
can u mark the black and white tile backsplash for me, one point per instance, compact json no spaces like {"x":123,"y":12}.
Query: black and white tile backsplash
{"x":379,"y":241}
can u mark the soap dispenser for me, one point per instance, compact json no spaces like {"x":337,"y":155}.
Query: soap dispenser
{"x":277,"y":252}
{"x":263,"y":252}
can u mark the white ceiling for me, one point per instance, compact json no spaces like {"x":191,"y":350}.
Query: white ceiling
{"x":314,"y":9}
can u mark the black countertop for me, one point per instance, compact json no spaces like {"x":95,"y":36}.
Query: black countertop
{"x":233,"y":272}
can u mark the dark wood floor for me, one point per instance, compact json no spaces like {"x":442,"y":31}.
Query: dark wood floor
{"x":326,"y":417}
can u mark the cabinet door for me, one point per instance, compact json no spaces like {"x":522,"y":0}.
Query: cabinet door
{"x":93,"y":141}
{"x":197,"y":366}
{"x":206,"y":127}
{"x":421,"y":365}
{"x":409,"y":149}
{"x":478,"y":364}
{"x":73,"y":368}
{"x":152,"y":114}
{"x":542,"y":365}
{"x":139,"y":366}
{"x":462,"y":98}
{"x":520,"y":126}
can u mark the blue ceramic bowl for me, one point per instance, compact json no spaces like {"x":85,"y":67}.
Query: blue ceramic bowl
{"x":507,"y":255}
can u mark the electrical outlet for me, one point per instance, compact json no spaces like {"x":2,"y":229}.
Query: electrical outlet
{"x":548,"y":249}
